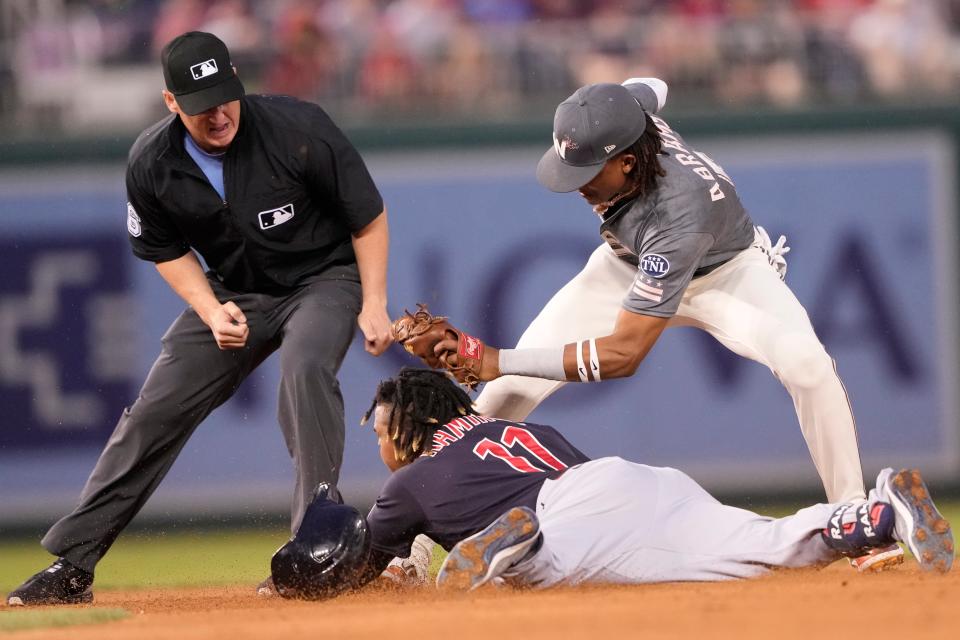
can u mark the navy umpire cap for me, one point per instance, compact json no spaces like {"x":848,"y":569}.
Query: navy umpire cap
{"x":328,"y":553}
{"x":197,"y":70}
{"x":594,"y":124}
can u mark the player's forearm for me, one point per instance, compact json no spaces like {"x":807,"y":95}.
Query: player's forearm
{"x":185,"y":276}
{"x":614,"y":356}
{"x":372,"y":246}
{"x":602,"y":359}
{"x":439,"y":344}
{"x":562,"y":363}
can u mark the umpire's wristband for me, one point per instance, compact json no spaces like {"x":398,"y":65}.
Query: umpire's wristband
{"x":536,"y":363}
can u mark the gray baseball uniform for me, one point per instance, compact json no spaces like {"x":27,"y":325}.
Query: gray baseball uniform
{"x":688,"y":251}
{"x":606,"y":520}
{"x":665,"y":528}
{"x":693,"y":223}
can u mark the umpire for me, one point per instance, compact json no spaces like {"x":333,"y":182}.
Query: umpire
{"x":281,"y":208}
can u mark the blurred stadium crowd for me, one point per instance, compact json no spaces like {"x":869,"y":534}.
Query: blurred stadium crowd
{"x":81,"y":65}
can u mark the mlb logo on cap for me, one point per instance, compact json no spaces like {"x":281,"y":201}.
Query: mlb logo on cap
{"x":204,"y":69}
{"x":198,"y":72}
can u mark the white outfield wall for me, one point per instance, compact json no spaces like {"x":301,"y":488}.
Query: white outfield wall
{"x":871,"y":221}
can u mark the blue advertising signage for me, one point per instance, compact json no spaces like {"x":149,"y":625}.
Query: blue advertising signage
{"x":870,"y":221}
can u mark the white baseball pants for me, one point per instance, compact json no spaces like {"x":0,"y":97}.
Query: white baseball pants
{"x":747,"y":307}
{"x":614,"y":521}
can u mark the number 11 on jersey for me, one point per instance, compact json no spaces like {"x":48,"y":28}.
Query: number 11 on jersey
{"x":513,"y":435}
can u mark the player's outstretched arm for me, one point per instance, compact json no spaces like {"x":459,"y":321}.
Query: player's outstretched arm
{"x":617,"y":355}
{"x":614,"y":356}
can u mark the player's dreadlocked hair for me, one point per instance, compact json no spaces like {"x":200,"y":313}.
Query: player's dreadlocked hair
{"x":647,"y":149}
{"x":421,"y":401}
{"x":643,"y":176}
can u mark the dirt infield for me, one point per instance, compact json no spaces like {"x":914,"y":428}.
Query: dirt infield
{"x":834,"y":602}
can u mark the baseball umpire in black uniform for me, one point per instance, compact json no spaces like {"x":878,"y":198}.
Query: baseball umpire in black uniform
{"x":282,"y":209}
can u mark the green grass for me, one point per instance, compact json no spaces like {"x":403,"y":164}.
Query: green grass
{"x":439,"y":555}
{"x":203,"y":558}
{"x":34,"y":619}
{"x":162,"y":560}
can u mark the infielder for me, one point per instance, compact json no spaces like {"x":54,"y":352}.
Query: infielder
{"x":518,"y":501}
{"x":283,"y":211}
{"x":679,"y":250}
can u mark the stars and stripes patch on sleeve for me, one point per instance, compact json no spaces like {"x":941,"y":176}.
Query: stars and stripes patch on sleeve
{"x":648,"y":288}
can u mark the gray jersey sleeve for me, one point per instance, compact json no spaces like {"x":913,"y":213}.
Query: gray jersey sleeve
{"x":651,"y":93}
{"x":666,"y":267}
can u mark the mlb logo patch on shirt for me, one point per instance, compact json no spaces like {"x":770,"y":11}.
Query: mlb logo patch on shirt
{"x":654,"y":265}
{"x":275,"y":217}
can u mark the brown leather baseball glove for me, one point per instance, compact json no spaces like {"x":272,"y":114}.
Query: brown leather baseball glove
{"x":420,"y":332}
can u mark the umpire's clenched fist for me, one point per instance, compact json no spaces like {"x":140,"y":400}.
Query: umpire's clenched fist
{"x":228,"y":325}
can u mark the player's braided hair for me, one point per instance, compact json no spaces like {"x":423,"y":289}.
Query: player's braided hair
{"x":647,"y":150}
{"x":421,"y":401}
{"x":643,"y":176}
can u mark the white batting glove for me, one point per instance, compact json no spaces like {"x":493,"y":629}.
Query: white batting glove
{"x":775,"y":252}
{"x":414,"y":570}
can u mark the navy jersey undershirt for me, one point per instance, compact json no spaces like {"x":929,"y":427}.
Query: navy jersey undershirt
{"x":478,"y":469}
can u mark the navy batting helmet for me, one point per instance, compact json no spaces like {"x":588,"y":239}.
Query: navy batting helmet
{"x":326,"y":556}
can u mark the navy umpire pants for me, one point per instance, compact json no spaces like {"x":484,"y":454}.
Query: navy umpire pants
{"x":312,"y":326}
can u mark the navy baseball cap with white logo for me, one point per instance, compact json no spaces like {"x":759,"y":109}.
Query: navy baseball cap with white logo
{"x":197,"y":70}
{"x":594,"y":124}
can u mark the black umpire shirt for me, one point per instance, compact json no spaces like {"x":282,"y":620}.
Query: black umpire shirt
{"x":295,"y":189}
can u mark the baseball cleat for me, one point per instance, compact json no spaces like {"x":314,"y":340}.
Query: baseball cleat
{"x":60,"y":583}
{"x":477,"y":560}
{"x":918,"y":525}
{"x":878,"y":559}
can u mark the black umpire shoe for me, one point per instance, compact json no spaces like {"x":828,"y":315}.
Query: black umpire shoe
{"x":60,"y":583}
